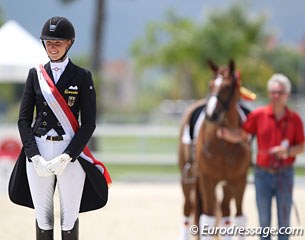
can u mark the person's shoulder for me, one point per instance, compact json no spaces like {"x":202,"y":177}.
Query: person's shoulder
{"x":260,"y":110}
{"x":32,"y":72}
{"x":79,"y":68}
{"x":258,"y":113}
{"x":295,"y":114}
{"x":82,"y":75}
{"x":33,"y":69}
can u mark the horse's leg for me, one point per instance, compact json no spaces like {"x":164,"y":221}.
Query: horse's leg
{"x":225,"y":220}
{"x":198,"y":204}
{"x":225,"y":204}
{"x":207,"y":218}
{"x":187,"y":211}
{"x":239,"y":187}
{"x":187,"y":188}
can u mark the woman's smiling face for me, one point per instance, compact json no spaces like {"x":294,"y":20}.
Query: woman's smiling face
{"x":56,"y":48}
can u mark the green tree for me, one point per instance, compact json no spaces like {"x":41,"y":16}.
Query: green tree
{"x":290,"y":62}
{"x":1,"y":17}
{"x":180,"y":47}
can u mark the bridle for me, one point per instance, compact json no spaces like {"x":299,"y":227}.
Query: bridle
{"x":225,"y":103}
{"x":217,"y":105}
{"x":223,"y":107}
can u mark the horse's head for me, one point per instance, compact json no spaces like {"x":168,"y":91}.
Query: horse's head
{"x":224,"y":91}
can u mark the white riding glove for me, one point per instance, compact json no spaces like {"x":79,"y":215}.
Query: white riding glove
{"x":58,"y":164}
{"x":40,"y":165}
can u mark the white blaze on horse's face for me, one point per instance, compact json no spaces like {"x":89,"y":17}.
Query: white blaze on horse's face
{"x":212,"y":102}
{"x":218,"y":81}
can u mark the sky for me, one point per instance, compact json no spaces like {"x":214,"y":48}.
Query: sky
{"x":126,"y":19}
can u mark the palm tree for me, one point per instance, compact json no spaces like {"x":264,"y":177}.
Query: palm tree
{"x":97,"y":49}
{"x":98,"y":34}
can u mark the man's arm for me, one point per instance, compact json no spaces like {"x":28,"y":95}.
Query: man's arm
{"x":232,"y":135}
{"x":296,"y":149}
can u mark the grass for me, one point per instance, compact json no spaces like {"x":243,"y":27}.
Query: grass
{"x":300,"y":171}
{"x":146,"y":145}
{"x":138,"y":144}
{"x":128,"y":171}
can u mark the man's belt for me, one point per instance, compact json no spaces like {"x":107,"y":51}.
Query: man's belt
{"x":273,"y":170}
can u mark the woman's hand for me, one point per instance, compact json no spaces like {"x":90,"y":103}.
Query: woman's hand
{"x":40,"y":165}
{"x":58,"y":164}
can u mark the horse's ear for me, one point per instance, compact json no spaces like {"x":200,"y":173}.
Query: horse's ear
{"x":232,"y":66}
{"x":212,"y":65}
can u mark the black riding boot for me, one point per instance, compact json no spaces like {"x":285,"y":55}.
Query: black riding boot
{"x":71,"y":234}
{"x":43,"y":234}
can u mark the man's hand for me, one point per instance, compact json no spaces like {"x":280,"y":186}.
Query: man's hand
{"x":40,"y":165}
{"x":231,"y":135}
{"x":58,"y":164}
{"x":280,"y":152}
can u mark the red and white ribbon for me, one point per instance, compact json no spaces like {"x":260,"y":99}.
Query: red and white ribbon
{"x":65,"y":116}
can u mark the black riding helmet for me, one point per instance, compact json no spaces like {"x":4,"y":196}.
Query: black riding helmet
{"x":58,"y":28}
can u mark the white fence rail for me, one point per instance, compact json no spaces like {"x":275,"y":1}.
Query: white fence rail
{"x":109,"y":130}
{"x":145,"y":131}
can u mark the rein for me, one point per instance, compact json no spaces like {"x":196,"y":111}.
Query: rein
{"x":225,"y":103}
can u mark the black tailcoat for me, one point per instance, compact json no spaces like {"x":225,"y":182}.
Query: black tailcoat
{"x":77,"y":88}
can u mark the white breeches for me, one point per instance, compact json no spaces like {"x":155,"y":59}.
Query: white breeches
{"x":70,"y":188}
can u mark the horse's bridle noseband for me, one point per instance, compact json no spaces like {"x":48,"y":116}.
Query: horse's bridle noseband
{"x":225,"y":103}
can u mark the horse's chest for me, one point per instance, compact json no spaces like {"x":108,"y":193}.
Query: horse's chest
{"x":221,"y":152}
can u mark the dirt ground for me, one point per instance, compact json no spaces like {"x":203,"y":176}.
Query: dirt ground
{"x":136,"y":210}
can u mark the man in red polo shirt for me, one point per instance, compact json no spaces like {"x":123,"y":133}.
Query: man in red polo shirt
{"x":280,"y":137}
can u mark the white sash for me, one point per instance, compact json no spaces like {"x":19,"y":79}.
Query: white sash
{"x":54,"y":105}
{"x":61,"y":115}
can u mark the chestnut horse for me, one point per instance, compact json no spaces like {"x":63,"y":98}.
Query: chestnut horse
{"x":206,"y":161}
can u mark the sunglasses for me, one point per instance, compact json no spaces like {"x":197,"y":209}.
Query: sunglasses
{"x":277,"y":92}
